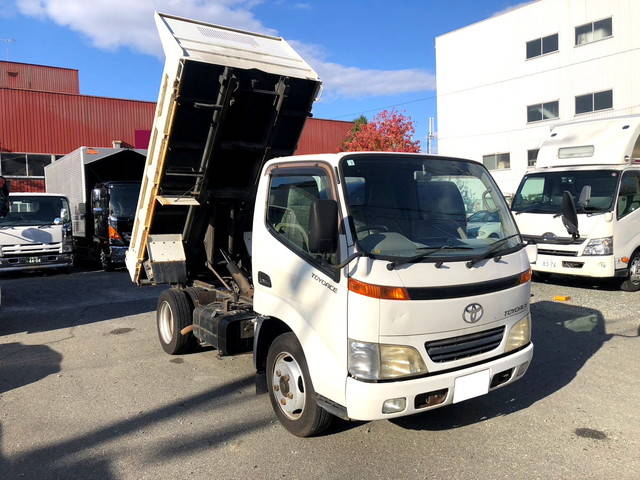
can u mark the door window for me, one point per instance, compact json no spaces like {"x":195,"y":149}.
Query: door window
{"x":629,"y":196}
{"x":291,"y":195}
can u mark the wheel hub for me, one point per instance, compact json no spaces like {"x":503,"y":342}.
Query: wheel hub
{"x":166,"y":322}
{"x":288,"y":385}
{"x":634,"y":271}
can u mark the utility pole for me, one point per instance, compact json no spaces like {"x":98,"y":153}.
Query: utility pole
{"x":7,"y":42}
{"x":431,"y":135}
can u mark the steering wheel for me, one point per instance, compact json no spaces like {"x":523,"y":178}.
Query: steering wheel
{"x":366,"y":228}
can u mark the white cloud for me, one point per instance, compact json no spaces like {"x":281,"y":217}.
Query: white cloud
{"x":111,"y":24}
{"x":512,"y":7}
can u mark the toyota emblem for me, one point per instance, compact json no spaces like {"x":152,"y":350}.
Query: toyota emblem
{"x":472,"y":313}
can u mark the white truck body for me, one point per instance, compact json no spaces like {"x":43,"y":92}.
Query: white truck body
{"x":351,"y":303}
{"x":603,"y":157}
{"x":29,"y":240}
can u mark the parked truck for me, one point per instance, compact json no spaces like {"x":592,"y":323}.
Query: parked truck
{"x":35,"y":233}
{"x":102,"y":185}
{"x":581,"y":205}
{"x":351,"y":277}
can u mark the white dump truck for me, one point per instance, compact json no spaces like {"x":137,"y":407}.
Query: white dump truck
{"x":353,"y":278}
{"x":581,"y":205}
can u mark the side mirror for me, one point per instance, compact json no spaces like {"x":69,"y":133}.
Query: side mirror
{"x":569,"y":214}
{"x":323,"y":226}
{"x":57,"y":221}
{"x":64,"y":215}
{"x":532,"y":253}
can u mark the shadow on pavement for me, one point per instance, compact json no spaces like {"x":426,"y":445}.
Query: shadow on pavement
{"x":71,"y":458}
{"x":24,"y":364}
{"x":36,"y":304}
{"x":564,"y":336}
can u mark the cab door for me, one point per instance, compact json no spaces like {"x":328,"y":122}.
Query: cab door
{"x":293,"y":283}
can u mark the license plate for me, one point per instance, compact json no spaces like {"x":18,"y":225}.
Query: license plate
{"x":471,"y":386}
{"x":547,"y":263}
{"x":34,"y":260}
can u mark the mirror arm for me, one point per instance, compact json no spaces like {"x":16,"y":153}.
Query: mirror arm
{"x":348,"y":260}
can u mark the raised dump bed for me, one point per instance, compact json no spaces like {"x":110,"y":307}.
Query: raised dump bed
{"x":229,"y":101}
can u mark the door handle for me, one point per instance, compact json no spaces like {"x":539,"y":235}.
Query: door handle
{"x":264,"y":279}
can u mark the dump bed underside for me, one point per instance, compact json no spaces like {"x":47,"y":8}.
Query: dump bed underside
{"x":226,"y":124}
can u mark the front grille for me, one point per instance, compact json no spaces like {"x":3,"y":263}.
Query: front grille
{"x":455,"y":348}
{"x":558,"y":253}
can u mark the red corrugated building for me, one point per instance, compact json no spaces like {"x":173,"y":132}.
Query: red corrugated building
{"x":43,"y":116}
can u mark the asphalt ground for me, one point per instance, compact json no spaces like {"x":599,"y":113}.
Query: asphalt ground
{"x":86,"y":392}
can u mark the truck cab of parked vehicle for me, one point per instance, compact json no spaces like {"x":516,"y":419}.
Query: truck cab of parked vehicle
{"x":113,"y":206}
{"x":36,"y":233}
{"x":581,"y":205}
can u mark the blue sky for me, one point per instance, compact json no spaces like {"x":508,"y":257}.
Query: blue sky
{"x":370,"y":53}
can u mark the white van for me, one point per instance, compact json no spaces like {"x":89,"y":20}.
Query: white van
{"x":593,"y":167}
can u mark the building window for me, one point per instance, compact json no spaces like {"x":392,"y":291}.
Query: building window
{"x":594,"y":31}
{"x":592,"y":102}
{"x":543,"y":111}
{"x":497,"y":161}
{"x":542,"y":46}
{"x":532,"y":157}
{"x":23,"y":164}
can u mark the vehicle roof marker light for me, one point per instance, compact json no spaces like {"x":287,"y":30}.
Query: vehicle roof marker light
{"x":378,"y":291}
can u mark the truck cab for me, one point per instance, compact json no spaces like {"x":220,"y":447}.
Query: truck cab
{"x":113,"y":205}
{"x":354,"y":278}
{"x":581,"y":205}
{"x":36,"y":233}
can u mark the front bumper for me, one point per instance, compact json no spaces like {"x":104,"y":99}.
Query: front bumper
{"x":364,"y":400}
{"x":35,"y":262}
{"x":588,"y":266}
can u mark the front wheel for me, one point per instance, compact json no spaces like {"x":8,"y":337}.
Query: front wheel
{"x":105,"y":261}
{"x":632,"y":282}
{"x":172,"y":315}
{"x":290,"y":389}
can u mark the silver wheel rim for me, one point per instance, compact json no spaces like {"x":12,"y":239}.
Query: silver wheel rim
{"x":288,"y":385}
{"x":166,"y":322}
{"x":634,"y":271}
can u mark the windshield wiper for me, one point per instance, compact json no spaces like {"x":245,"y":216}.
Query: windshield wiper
{"x":420,"y":256}
{"x":530,"y":207}
{"x":492,"y":248}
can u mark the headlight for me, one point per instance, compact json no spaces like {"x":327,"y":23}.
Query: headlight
{"x":599,"y":246}
{"x":519,"y":335}
{"x":67,"y":247}
{"x":373,"y":361}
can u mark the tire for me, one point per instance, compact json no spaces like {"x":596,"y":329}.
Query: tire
{"x":105,"y":261}
{"x":172,"y":315}
{"x":632,"y":282}
{"x":288,"y":381}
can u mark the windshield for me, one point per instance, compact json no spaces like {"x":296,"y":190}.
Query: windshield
{"x":402,"y":206}
{"x":123,"y":199}
{"x":34,"y":210}
{"x":542,"y":192}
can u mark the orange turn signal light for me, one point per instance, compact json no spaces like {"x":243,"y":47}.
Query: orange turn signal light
{"x":526,"y":276}
{"x":113,"y":234}
{"x":378,"y":291}
{"x":624,"y":259}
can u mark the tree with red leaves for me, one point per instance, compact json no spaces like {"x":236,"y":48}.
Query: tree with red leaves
{"x":389,"y":131}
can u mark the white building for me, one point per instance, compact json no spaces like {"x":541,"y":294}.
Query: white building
{"x":504,"y":81}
